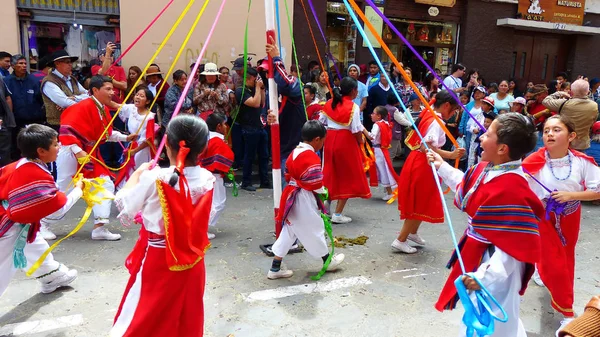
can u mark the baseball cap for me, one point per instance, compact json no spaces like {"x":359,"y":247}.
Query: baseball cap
{"x":488,"y":100}
{"x":238,"y":64}
{"x":518,"y":100}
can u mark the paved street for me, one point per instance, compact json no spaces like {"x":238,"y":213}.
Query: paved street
{"x":376,"y":292}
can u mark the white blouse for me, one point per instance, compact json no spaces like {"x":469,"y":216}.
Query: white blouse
{"x":355,"y":125}
{"x":435,"y":135}
{"x":129,"y":113}
{"x":584,"y":176}
{"x":144,"y":196}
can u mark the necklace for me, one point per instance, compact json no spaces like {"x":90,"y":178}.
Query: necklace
{"x":488,"y":168}
{"x":549,"y":160}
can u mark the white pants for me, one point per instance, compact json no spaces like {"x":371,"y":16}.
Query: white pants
{"x":384,"y":173}
{"x":218,"y":201}
{"x":32,"y":251}
{"x":66,"y":164}
{"x":305,"y":224}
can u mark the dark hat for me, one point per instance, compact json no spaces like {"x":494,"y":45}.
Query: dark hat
{"x":413,"y":97}
{"x":252,"y":72}
{"x":44,"y":62}
{"x":491,"y":115}
{"x":238,"y":64}
{"x":61,"y":55}
{"x":594,"y":81}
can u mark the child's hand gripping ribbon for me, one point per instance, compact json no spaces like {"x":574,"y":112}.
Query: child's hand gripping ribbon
{"x":94,"y":193}
{"x":480,"y":319}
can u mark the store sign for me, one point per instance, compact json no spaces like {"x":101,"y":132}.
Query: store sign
{"x":557,"y":11}
{"x":84,"y":6}
{"x":377,"y":23}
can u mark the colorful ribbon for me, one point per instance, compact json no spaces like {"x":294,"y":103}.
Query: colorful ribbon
{"x":158,"y":50}
{"x":231,"y":177}
{"x":143,"y":32}
{"x":94,"y":193}
{"x":191,"y":78}
{"x":312,"y":35}
{"x":314,"y":13}
{"x":329,"y":231}
{"x":287,"y":13}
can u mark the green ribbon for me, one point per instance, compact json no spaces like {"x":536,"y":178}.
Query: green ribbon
{"x":231,"y":177}
{"x":287,"y":12}
{"x":329,"y":231}
{"x":235,"y":112}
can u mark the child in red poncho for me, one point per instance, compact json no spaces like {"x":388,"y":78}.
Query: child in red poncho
{"x":217,"y":158}
{"x":300,"y":207}
{"x":502,"y":241}
{"x":29,"y":198}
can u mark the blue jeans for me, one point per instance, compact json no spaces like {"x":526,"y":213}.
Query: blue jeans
{"x":255,"y":141}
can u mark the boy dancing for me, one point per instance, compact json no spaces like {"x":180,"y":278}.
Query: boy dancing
{"x":300,"y":207}
{"x":29,"y":197}
{"x":502,"y":242}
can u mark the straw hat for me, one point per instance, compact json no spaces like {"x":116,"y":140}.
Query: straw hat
{"x":153,"y":70}
{"x":210,"y":69}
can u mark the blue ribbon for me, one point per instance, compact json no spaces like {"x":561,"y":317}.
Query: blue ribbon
{"x":480,"y":319}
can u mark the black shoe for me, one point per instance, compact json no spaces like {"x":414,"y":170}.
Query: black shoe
{"x":267,"y":186}
{"x":249,"y":188}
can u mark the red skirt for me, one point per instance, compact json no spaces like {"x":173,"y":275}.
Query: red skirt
{"x":418,"y":196}
{"x":557,"y":264}
{"x":343,"y":171}
{"x":160,"y":302}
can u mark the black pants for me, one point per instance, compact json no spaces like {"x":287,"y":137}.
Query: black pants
{"x":5,"y":145}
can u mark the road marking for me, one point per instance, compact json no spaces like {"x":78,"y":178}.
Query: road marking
{"x":401,"y":271}
{"x":27,"y":328}
{"x":309,"y":288}
{"x":417,"y":275}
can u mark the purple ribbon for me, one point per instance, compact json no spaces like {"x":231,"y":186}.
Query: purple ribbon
{"x":420,"y":58}
{"x":452,"y":93}
{"x":314,"y":13}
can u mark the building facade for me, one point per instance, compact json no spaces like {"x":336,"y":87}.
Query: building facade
{"x":498,"y":37}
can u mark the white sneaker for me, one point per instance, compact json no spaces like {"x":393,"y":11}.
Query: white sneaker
{"x":416,"y":238}
{"x":336,"y":260}
{"x":387,"y":197}
{"x":211,"y":236}
{"x":537,"y":279}
{"x":564,"y":323}
{"x":102,"y":233}
{"x":62,"y":277}
{"x":47,"y":233}
{"x":282,"y":273}
{"x":403,"y":247}
{"x":340,"y":219}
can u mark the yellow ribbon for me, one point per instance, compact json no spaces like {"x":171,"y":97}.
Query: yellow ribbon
{"x":394,"y":196}
{"x":158,"y":50}
{"x":94,"y":193}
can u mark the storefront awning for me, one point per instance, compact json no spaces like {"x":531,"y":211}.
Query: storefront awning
{"x":548,"y":27}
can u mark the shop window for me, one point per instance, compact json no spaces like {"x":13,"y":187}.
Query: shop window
{"x":545,"y":67}
{"x":523,"y":61}
{"x":514,"y":65}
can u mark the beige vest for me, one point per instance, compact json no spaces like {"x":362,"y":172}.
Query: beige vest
{"x":54,"y":111}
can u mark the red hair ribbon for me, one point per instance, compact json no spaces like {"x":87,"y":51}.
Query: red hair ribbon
{"x":181,"y":155}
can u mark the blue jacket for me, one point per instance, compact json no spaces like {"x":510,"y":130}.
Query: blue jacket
{"x":28,"y":106}
{"x":293,"y":116}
